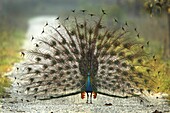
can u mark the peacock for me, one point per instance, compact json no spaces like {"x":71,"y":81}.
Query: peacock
{"x":84,"y":54}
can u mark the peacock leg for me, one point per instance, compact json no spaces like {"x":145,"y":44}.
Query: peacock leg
{"x":87,"y":97}
{"x":91,"y":98}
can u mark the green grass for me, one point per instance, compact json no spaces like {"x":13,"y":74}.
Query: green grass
{"x":4,"y":82}
{"x":11,"y":42}
{"x":163,"y":79}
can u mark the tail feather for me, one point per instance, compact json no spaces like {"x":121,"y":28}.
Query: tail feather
{"x":63,"y":56}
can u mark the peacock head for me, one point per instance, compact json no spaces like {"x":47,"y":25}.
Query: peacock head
{"x":88,"y":74}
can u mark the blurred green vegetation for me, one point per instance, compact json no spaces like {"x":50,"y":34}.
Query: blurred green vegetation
{"x":15,"y":14}
{"x":11,"y":41}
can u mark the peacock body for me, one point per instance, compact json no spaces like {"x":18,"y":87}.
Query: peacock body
{"x":83,"y":54}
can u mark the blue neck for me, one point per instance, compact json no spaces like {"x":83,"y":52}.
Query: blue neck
{"x":88,"y":79}
{"x":88,"y":84}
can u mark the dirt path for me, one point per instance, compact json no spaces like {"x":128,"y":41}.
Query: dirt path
{"x":74,"y":104}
